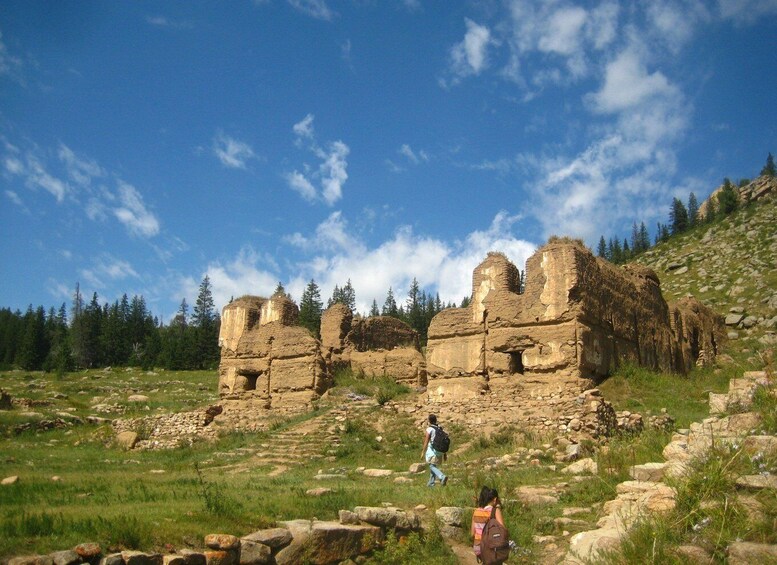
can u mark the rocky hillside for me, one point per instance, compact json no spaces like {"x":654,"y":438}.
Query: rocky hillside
{"x":730,"y":265}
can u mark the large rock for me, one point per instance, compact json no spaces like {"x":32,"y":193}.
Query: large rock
{"x":127,"y":439}
{"x":255,"y":553}
{"x":322,"y":543}
{"x":31,"y":560}
{"x":388,"y":517}
{"x":66,"y":557}
{"x":747,"y":553}
{"x":451,"y":515}
{"x":274,"y":538}
{"x":141,"y":558}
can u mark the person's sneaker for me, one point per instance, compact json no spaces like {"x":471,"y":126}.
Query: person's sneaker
{"x":444,"y":481}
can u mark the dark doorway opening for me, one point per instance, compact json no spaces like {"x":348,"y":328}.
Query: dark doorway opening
{"x":516,"y":362}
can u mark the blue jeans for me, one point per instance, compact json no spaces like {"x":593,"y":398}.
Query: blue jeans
{"x":434,"y":472}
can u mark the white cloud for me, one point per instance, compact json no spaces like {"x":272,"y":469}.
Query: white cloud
{"x":563,"y":31}
{"x":133,"y":213}
{"x":10,"y":65}
{"x":231,"y":152}
{"x":300,"y":184}
{"x":414,"y":158}
{"x":627,"y":84}
{"x":13,"y":197}
{"x":333,"y":171}
{"x":747,"y":11}
{"x":13,"y":165}
{"x":470,"y":56}
{"x":249,"y":273}
{"x":37,"y":176}
{"x":304,"y":128}
{"x":80,"y":169}
{"x":438,"y":266}
{"x":108,"y":267}
{"x":315,"y":8}
{"x":602,"y":26}
{"x":412,"y":5}
{"x":163,"y":21}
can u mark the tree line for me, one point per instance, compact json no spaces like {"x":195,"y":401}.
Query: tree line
{"x":121,"y":334}
{"x":682,"y":218}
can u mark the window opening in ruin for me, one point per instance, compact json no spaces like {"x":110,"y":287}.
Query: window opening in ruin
{"x":251,"y":381}
{"x":695,"y":344}
{"x":516,"y":362}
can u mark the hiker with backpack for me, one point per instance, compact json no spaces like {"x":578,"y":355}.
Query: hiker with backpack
{"x":436,"y":443}
{"x":491,"y":542}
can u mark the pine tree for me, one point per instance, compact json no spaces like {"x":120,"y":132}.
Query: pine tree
{"x":601,"y":251}
{"x":390,"y":305}
{"x":415,"y":310}
{"x":678,"y":216}
{"x":727,"y":198}
{"x":769,"y":169}
{"x":205,"y":353}
{"x":693,"y":210}
{"x":337,"y":297}
{"x":374,"y":309}
{"x":349,"y":296}
{"x":33,"y":348}
{"x":465,"y":302}
{"x":310,"y":308}
{"x":634,"y":238}
{"x":644,"y":238}
{"x":711,"y":211}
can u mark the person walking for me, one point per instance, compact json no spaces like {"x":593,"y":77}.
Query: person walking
{"x":488,"y":505}
{"x":432,"y":456}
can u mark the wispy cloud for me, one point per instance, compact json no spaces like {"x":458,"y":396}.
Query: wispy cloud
{"x":304,"y":128}
{"x":746,"y":11}
{"x":133,"y":213}
{"x":80,"y":169}
{"x":470,"y":56}
{"x":232,"y":153}
{"x":36,"y":175}
{"x":412,"y":156}
{"x":627,"y":83}
{"x":13,"y":197}
{"x":332,"y":171}
{"x":10,"y":65}
{"x":99,"y":200}
{"x":107,"y":267}
{"x":300,"y":184}
{"x":314,"y":8}
{"x":165,"y":22}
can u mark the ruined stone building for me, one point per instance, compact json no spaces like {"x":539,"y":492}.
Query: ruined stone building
{"x":529,"y":358}
{"x":579,"y":316}
{"x":266,"y":356}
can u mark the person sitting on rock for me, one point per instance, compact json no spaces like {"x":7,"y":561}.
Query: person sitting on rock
{"x":432,"y":456}
{"x":487,"y":501}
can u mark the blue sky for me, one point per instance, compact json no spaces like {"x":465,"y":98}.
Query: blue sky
{"x":144,"y":145}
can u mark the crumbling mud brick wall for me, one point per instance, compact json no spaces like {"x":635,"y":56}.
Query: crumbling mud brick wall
{"x":579,"y":317}
{"x":374,"y":347}
{"x":264,"y":354}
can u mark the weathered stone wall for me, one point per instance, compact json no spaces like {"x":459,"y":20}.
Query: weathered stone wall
{"x":579,"y":316}
{"x":264,"y":355}
{"x":376,"y":346}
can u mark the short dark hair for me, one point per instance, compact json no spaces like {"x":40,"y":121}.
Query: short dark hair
{"x":432,"y":419}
